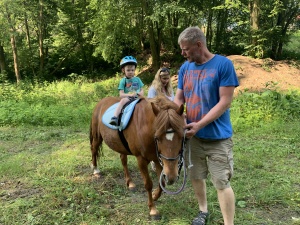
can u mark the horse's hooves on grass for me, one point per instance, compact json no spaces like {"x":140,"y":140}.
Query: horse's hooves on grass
{"x":132,"y":189}
{"x":155,"y":217}
{"x":96,"y":176}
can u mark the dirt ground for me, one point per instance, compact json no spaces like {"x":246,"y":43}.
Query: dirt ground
{"x":262,"y":74}
{"x":259,"y":74}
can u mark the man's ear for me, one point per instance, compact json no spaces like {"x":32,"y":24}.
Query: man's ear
{"x":199,"y":44}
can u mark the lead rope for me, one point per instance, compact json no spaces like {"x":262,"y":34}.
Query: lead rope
{"x":184,"y":170}
{"x":190,"y":157}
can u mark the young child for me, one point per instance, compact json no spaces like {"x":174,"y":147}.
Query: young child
{"x":130,"y":87}
{"x":161,"y":84}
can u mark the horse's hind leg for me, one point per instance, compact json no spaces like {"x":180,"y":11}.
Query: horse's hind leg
{"x":128,"y":179}
{"x":96,"y":144}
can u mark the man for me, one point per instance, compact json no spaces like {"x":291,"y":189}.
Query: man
{"x":206,"y":84}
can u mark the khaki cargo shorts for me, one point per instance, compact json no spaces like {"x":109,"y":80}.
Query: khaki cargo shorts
{"x":214,"y":157}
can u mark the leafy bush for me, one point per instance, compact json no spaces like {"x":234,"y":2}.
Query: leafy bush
{"x":68,"y":103}
{"x":58,"y":103}
{"x":256,"y":109}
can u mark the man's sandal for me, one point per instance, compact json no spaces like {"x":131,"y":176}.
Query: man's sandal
{"x":201,"y":219}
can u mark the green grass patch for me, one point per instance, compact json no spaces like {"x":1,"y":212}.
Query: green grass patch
{"x":45,"y":175}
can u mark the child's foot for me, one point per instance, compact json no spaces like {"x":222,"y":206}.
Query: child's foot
{"x":113,"y":121}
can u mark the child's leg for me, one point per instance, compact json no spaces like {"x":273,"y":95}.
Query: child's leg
{"x":120,"y":106}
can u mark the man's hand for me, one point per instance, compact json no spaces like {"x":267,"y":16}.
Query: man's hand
{"x":191,"y":130}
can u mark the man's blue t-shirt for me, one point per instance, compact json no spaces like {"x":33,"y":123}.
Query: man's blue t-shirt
{"x":131,"y":85}
{"x":200,"y":85}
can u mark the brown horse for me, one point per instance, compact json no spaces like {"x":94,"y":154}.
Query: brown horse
{"x":155,"y":129}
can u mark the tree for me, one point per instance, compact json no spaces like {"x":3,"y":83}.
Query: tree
{"x":254,"y":6}
{"x":284,"y":12}
{"x":12,"y":25}
{"x":2,"y":60}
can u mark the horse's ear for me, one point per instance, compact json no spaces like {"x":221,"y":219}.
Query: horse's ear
{"x":180,"y":110}
{"x":155,"y":109}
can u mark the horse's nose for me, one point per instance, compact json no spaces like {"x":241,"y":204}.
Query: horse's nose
{"x":168,"y":180}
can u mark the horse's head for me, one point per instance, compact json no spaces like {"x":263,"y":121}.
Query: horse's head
{"x":169,"y":135}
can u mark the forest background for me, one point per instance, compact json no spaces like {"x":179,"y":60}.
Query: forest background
{"x":54,"y":39}
{"x":58,"y":58}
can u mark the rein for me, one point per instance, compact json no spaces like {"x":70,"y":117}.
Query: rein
{"x":181,"y":163}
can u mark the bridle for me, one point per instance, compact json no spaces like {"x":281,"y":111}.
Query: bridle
{"x":181,"y":163}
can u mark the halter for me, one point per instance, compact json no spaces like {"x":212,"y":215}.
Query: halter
{"x":181,"y":163}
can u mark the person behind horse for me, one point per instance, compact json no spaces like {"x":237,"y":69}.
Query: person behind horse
{"x":206,"y":84}
{"x":161,"y":84}
{"x":130,"y":87}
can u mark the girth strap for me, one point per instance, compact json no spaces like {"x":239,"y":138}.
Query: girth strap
{"x":123,"y":139}
{"x":120,"y":132}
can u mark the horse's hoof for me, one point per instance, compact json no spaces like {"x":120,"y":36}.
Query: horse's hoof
{"x":96,"y":176}
{"x":155,"y":217}
{"x":132,"y":189}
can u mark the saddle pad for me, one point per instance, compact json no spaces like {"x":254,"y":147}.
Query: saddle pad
{"x":109,"y":113}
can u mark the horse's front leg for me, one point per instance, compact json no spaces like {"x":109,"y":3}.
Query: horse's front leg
{"x":143,"y":165}
{"x":128,"y":179}
{"x":157,"y":191}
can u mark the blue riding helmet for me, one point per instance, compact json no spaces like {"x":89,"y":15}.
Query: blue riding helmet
{"x":128,"y":60}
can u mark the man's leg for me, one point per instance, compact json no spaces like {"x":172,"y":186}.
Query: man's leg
{"x":200,"y":192}
{"x":227,"y":205}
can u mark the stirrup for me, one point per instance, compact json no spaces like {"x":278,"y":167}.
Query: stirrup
{"x":114,"y":121}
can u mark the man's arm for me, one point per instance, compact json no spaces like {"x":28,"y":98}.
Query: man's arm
{"x":179,"y":98}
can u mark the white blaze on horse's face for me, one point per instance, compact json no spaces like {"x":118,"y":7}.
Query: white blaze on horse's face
{"x":170,"y":135}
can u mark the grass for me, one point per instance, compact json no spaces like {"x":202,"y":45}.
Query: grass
{"x":46,"y":179}
{"x":45,"y":176}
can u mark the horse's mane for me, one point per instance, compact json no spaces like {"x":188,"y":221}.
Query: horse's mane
{"x":167,"y":118}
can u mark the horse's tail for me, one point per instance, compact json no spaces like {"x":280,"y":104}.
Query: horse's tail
{"x":91,"y":133}
{"x":95,"y":134}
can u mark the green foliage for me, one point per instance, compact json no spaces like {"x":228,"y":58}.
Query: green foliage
{"x":291,"y":50}
{"x":87,"y":37}
{"x":71,"y":102}
{"x":257,"y":109}
{"x":58,"y":103}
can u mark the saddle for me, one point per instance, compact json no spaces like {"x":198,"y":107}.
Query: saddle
{"x":124,"y":117}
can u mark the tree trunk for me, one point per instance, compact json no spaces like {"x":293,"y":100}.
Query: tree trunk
{"x":173,"y":19}
{"x":254,"y":23}
{"x":15,"y":55}
{"x":209,"y":29}
{"x":154,"y":46}
{"x":154,"y":43}
{"x":41,"y":38}
{"x":2,"y":60}
{"x":284,"y":18}
{"x":14,"y":47}
{"x":28,"y":42}
{"x":254,"y":14}
{"x":221,"y":29}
